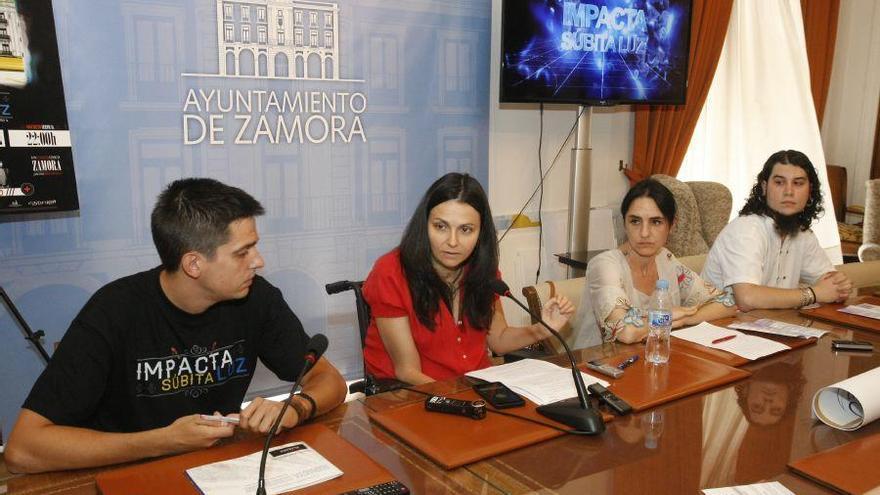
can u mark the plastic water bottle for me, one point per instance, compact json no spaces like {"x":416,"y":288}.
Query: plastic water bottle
{"x":659,"y":324}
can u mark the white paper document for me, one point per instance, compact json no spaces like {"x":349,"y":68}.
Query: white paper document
{"x":867,"y":310}
{"x":771,"y":488}
{"x":774,"y":327}
{"x":288,"y":467}
{"x":850,"y":404}
{"x":747,"y":346}
{"x":539,"y":381}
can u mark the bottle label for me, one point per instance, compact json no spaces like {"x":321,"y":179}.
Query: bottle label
{"x":659,"y":318}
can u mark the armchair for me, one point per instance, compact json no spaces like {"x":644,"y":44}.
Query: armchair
{"x":702,"y":210}
{"x":870,"y":248}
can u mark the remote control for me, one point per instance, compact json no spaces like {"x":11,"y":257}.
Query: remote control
{"x":390,"y":488}
{"x":614,"y":402}
{"x":471,"y":409}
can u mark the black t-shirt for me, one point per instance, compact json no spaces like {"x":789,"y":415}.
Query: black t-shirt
{"x":132,"y":361}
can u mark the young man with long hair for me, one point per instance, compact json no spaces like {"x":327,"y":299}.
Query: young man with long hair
{"x":769,"y":255}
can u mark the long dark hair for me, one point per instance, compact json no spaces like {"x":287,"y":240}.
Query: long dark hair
{"x":757,"y":202}
{"x":425,"y":285}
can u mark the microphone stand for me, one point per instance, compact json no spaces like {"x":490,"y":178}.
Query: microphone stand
{"x":261,"y":483}
{"x":29,"y":335}
{"x":579,"y":415}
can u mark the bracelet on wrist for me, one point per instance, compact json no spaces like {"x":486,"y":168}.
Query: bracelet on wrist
{"x":314,"y":407}
{"x":813,"y":294}
{"x":300,"y":409}
{"x":807,"y":297}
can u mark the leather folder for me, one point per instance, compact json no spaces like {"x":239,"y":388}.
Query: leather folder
{"x":849,"y":468}
{"x":645,"y":385}
{"x":829,"y":312}
{"x":731,"y":359}
{"x":168,"y":475}
{"x":452,"y":441}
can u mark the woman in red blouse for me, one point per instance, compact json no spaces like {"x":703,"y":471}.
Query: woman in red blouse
{"x":433,"y":313}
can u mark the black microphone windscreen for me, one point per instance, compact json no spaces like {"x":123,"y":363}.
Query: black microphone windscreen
{"x":318,"y":345}
{"x":499,"y":287}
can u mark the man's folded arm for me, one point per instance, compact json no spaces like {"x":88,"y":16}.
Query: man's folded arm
{"x":38,"y":445}
{"x":325,"y":385}
{"x":754,"y":296}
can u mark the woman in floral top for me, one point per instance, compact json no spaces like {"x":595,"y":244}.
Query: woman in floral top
{"x":620,"y":281}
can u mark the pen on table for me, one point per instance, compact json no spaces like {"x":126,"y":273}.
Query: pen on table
{"x":632,"y":359}
{"x":723,"y":339}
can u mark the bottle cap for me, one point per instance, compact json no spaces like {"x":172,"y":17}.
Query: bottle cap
{"x":662,"y":284}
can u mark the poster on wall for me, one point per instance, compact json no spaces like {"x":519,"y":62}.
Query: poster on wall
{"x":36,"y":159}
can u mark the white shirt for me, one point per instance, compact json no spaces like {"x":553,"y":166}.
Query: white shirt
{"x":609,"y":285}
{"x":749,"y":250}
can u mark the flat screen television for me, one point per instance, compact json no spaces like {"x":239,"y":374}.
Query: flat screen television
{"x":595,"y":52}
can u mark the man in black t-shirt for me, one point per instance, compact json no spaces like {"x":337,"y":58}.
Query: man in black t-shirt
{"x":152,"y":351}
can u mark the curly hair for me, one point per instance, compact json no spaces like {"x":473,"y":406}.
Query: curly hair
{"x":785,"y":374}
{"x":757,"y":202}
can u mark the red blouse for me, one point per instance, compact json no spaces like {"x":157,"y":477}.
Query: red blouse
{"x":451,"y":350}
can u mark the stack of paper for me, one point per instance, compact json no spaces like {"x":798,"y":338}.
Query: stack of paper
{"x":774,"y":327}
{"x":867,"y":310}
{"x":539,"y":381}
{"x":288,"y":467}
{"x":747,"y":346}
{"x":771,"y":488}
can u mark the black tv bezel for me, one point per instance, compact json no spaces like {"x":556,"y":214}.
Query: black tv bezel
{"x":586,"y":101}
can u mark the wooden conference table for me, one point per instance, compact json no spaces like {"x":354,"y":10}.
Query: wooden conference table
{"x":741,"y":433}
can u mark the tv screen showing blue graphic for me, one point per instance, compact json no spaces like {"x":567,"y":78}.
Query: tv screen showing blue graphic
{"x":595,"y":52}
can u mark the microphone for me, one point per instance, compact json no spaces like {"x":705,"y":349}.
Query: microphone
{"x":314,"y":350}
{"x":577,"y":414}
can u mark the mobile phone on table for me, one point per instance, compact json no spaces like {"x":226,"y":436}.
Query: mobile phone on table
{"x":498,"y":395}
{"x":852,"y":345}
{"x":605,"y":369}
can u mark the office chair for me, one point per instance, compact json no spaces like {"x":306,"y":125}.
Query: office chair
{"x":369,"y":385}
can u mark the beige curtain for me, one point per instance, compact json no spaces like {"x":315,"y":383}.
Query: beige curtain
{"x":663,"y":132}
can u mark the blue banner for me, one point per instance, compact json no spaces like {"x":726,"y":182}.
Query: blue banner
{"x":335,"y":115}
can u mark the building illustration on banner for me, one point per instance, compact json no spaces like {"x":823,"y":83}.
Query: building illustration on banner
{"x":278,"y":39}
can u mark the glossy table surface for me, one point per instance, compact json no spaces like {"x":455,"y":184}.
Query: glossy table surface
{"x":740,"y":433}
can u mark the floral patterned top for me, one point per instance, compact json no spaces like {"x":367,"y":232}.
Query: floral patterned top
{"x":610,"y":285}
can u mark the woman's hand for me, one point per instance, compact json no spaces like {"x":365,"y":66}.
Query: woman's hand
{"x":557,"y":312}
{"x":680,"y":314}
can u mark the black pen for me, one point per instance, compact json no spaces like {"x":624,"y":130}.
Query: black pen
{"x":628,"y":362}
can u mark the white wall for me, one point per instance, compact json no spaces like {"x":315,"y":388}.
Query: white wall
{"x":513,"y":172}
{"x":851,"y":110}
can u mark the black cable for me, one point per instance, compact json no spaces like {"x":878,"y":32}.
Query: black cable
{"x":550,"y":168}
{"x":504,"y":413}
{"x":541,"y":186}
